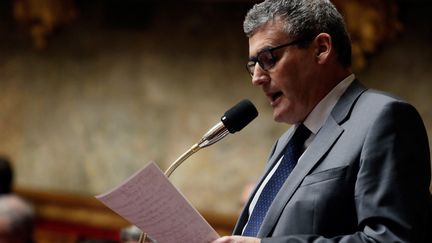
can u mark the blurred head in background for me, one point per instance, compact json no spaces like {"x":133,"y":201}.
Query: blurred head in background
{"x":17,"y":219}
{"x":6,"y":175}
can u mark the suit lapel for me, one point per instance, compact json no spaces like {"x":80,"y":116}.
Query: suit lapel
{"x":280,"y":146}
{"x":346,"y":103}
{"x":325,"y":138}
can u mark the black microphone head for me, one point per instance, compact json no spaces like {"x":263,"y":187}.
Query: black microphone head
{"x":239,"y":116}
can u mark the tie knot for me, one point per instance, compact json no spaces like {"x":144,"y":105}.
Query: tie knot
{"x":295,"y":145}
{"x":301,"y":133}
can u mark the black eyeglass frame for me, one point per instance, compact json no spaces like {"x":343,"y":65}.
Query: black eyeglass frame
{"x":250,"y":66}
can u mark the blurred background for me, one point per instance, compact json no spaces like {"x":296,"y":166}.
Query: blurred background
{"x":91,"y":91}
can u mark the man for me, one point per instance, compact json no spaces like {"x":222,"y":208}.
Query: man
{"x":362,"y":170}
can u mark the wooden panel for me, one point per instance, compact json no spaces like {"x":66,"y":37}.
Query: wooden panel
{"x":66,"y":217}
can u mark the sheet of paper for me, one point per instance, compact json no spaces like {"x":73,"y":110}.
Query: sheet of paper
{"x":151,"y":202}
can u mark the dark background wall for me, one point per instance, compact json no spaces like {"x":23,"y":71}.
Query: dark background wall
{"x":131,"y":81}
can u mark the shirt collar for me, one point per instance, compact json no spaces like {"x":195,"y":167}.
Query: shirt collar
{"x":316,"y":119}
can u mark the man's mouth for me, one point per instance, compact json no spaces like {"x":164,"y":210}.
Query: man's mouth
{"x":275,"y":96}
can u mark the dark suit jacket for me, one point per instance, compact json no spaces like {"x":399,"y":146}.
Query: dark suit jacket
{"x":364,"y":178}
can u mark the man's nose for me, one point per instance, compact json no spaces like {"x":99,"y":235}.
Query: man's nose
{"x":260,"y":76}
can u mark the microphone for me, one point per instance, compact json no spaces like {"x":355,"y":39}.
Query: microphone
{"x":233,"y":120}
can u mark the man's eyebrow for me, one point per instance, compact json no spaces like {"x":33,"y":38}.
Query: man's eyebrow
{"x":258,"y":52}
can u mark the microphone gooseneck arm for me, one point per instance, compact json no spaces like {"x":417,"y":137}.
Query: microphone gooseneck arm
{"x":213,"y":135}
{"x":182,"y":158}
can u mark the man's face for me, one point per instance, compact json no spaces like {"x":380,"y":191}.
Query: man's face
{"x":291,"y":83}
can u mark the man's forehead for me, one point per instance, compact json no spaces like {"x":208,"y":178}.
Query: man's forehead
{"x":268,"y":35}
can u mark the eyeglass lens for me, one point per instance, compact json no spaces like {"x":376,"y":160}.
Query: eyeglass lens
{"x":265,"y":59}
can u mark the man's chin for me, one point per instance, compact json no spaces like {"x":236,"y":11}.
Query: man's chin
{"x":283,"y":111}
{"x":280,"y":117}
{"x":285,"y":117}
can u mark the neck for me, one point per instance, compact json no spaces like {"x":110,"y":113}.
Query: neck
{"x":328,"y":80}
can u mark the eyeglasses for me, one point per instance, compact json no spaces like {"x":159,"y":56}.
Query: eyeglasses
{"x":266,"y":59}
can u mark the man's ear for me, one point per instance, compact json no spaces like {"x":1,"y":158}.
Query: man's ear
{"x":323,"y":47}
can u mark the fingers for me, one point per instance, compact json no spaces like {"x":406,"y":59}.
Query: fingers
{"x":237,"y":239}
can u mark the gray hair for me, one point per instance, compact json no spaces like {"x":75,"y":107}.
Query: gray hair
{"x":303,"y":19}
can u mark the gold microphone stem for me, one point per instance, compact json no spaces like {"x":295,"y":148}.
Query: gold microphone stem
{"x":182,"y":158}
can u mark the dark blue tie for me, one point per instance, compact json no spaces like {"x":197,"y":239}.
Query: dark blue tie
{"x":292,"y":153}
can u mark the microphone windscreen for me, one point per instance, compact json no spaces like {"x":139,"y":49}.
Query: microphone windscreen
{"x":239,"y":116}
